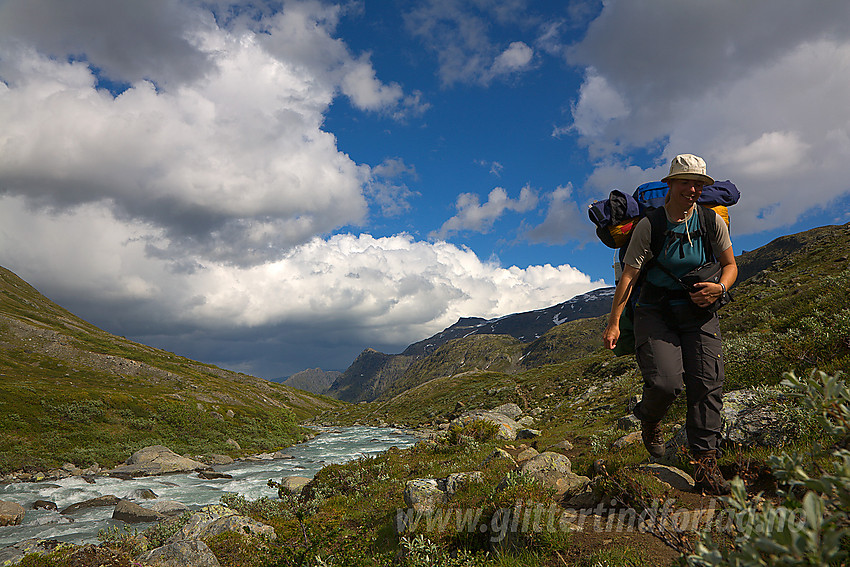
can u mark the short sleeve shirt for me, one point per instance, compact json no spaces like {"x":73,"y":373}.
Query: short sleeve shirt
{"x":639,"y":251}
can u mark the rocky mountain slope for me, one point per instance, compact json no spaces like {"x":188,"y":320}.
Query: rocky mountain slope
{"x":313,"y":380}
{"x":375,"y":374}
{"x":71,"y":392}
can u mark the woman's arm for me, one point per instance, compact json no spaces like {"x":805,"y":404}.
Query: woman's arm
{"x":621,"y":296}
{"x":709,"y":292}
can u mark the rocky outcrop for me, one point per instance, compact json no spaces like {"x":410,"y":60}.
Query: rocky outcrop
{"x":156,"y":460}
{"x":193,"y":553}
{"x":11,"y":513}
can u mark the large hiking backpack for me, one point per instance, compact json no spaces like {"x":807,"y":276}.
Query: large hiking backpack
{"x":615,"y":219}
{"x":616,"y":216}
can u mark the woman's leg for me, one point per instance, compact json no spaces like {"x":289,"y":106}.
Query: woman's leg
{"x":659,"y":355}
{"x":703,"y":363}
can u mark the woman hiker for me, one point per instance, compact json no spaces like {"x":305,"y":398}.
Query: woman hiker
{"x":682,"y":352}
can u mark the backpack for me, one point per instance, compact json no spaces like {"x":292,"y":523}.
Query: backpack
{"x":616,"y":217}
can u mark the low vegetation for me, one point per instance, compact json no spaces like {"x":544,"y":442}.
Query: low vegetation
{"x":789,"y":314}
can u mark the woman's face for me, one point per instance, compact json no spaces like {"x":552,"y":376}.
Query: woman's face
{"x":685,"y":192}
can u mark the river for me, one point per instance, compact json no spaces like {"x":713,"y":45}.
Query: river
{"x":331,"y":446}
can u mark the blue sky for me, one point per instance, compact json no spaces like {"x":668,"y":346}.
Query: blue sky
{"x":272,"y":186}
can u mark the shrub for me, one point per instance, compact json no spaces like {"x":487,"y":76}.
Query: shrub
{"x":478,"y":431}
{"x":807,"y":531}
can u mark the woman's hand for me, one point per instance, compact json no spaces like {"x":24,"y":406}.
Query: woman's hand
{"x":611,"y":334}
{"x":706,"y":293}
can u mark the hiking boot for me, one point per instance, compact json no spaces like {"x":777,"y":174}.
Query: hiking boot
{"x":707,"y":476}
{"x":652,"y":438}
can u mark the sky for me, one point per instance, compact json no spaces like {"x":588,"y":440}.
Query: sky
{"x":274,"y":186}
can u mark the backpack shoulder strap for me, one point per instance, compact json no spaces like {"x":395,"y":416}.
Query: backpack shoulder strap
{"x":658,"y":220}
{"x":708,"y":226}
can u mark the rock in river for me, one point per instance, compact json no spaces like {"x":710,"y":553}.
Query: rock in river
{"x":156,"y":460}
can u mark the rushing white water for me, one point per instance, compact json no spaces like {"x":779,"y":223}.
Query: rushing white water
{"x":249,"y":479}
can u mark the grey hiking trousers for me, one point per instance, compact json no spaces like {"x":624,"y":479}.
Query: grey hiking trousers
{"x":673,"y":359}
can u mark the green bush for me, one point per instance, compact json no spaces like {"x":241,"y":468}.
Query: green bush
{"x":811,"y":530}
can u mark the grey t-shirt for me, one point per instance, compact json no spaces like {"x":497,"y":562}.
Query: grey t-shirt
{"x":638,"y":251}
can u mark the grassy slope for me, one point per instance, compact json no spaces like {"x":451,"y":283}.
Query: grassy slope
{"x":71,"y":392}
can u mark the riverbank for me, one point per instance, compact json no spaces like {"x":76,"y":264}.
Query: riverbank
{"x":247,"y":477}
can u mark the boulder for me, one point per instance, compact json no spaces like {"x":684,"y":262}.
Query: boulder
{"x":553,"y":470}
{"x":525,"y":421}
{"x":200,"y":520}
{"x":628,"y":423}
{"x":215,"y":459}
{"x":545,"y":464}
{"x":143,"y":494}
{"x":238,"y":524}
{"x":747,"y":420}
{"x":44,"y":505}
{"x":156,"y":460}
{"x":571,"y":483}
{"x":294,"y":484}
{"x":194,"y":553}
{"x":526,"y":454}
{"x":211,"y":521}
{"x":282,"y":455}
{"x":626,"y":440}
{"x":213,"y":475}
{"x":169,"y":508}
{"x":11,"y":513}
{"x":132,"y":513}
{"x":527,"y":433}
{"x":564,"y":445}
{"x":422,"y":494}
{"x":233,"y":443}
{"x":456,"y":480}
{"x":671,"y":476}
{"x":49,"y":519}
{"x":511,"y":410}
{"x":108,"y":500}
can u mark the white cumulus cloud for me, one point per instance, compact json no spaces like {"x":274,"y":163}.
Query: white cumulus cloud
{"x":474,"y":216}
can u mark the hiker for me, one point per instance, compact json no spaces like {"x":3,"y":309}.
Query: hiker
{"x":677,"y":345}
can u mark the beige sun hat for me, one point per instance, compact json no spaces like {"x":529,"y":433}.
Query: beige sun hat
{"x":688,"y":166}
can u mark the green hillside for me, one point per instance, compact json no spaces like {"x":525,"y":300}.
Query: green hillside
{"x":71,"y":392}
